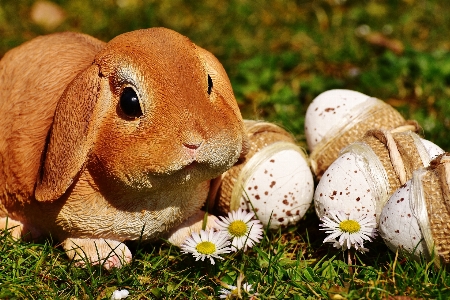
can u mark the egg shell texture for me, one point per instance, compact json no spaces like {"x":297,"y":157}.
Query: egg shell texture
{"x":281,"y":186}
{"x":343,"y":187}
{"x":327,"y":111}
{"x":432,"y":149}
{"x":398,"y":226}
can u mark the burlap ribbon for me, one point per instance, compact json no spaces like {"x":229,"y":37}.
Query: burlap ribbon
{"x":430,"y":203}
{"x":373,"y":113}
{"x":388,"y":159}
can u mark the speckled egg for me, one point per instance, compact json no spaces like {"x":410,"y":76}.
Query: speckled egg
{"x":336,"y":118}
{"x":327,"y":111}
{"x":416,"y":218}
{"x":344,"y":187}
{"x":363,"y":177}
{"x":274,"y":181}
{"x":398,"y":226}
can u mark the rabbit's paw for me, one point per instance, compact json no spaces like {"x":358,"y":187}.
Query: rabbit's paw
{"x":193,"y":224}
{"x":13,"y":226}
{"x":108,"y":253}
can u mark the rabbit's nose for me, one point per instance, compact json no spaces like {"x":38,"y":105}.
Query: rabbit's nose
{"x":192,"y":148}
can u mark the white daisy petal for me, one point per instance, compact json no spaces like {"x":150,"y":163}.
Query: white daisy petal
{"x":196,"y":238}
{"x":238,"y":214}
{"x":247,"y":287}
{"x":221,"y":223}
{"x":248,"y":217}
{"x":204,"y":235}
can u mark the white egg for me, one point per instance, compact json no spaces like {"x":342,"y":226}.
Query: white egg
{"x":274,"y":180}
{"x":357,"y":181}
{"x":279,"y":188}
{"x":398,"y":226}
{"x":345,"y":187}
{"x":327,"y":111}
{"x":415,"y":219}
{"x":337,"y":118}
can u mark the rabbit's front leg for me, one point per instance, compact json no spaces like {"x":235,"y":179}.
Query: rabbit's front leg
{"x":15,"y":227}
{"x":109,"y":253}
{"x":193,"y":224}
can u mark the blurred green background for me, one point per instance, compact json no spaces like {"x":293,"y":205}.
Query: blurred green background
{"x":281,"y":54}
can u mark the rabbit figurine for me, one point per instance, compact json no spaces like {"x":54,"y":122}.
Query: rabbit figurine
{"x":107,"y":142}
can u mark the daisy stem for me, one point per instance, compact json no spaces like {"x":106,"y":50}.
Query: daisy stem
{"x":205,"y":219}
{"x":350,"y":260}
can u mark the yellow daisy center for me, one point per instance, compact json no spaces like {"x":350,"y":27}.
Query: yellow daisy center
{"x":350,"y":226}
{"x":237,"y":228}
{"x":206,"y":248}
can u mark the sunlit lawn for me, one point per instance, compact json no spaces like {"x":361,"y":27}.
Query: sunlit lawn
{"x":279,"y":55}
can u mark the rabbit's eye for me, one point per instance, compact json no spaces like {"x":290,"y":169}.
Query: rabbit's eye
{"x":129,"y":103}
{"x":210,"y":85}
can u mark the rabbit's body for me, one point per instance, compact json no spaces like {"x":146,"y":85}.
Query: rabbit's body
{"x":103,"y":143}
{"x":32,"y":81}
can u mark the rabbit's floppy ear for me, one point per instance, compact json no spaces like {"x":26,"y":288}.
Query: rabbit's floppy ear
{"x":72,"y":134}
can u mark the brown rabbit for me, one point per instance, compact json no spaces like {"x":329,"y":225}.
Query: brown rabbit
{"x":106,"y":142}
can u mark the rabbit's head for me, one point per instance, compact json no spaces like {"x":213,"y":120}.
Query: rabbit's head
{"x":153,"y":109}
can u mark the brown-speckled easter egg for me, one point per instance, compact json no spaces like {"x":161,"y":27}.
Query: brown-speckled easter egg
{"x":274,"y":181}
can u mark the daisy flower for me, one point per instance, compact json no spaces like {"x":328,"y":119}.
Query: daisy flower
{"x":240,"y":227}
{"x":208,"y":244}
{"x":348,"y":230}
{"x":232,"y":291}
{"x":119,"y":294}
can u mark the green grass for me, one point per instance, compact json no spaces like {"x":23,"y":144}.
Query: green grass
{"x":287,"y":264}
{"x":279,"y":55}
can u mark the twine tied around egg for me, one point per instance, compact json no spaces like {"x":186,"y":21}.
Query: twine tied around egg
{"x":266,"y":139}
{"x":372,"y":113}
{"x":430,"y":203}
{"x":388,"y":158}
{"x":387,"y":138}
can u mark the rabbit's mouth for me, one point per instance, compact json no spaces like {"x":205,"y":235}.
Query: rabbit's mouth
{"x":195,"y":171}
{"x":191,"y":165}
{"x":194,"y":168}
